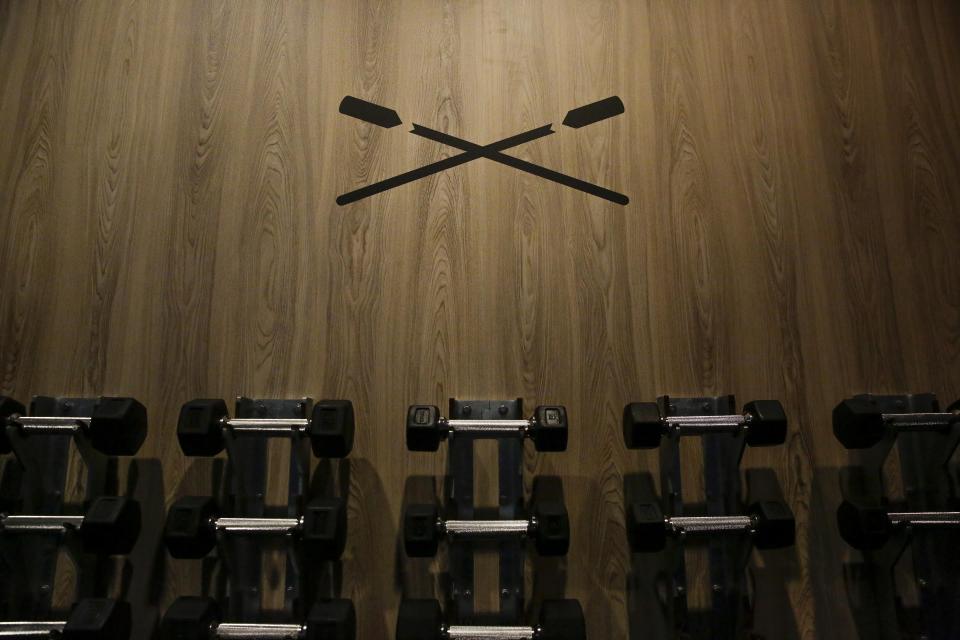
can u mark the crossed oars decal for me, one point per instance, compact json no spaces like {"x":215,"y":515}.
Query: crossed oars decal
{"x":387,"y":118}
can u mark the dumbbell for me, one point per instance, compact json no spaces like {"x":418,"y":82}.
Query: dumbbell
{"x":869,"y":528}
{"x":764,"y":422}
{"x":110,"y":526}
{"x":201,"y":425}
{"x":8,"y":408}
{"x":89,"y":619}
{"x":423,"y":620}
{"x":193,"y":524}
{"x":548,"y":526}
{"x":195,"y":618}
{"x":426,"y":428}
{"x":117,"y":426}
{"x":858,"y":423}
{"x":770,"y":524}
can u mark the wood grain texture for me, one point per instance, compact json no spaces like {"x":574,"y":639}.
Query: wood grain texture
{"x":168,"y":230}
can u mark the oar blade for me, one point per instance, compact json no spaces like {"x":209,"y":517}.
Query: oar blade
{"x":369,"y":112}
{"x":594,"y":112}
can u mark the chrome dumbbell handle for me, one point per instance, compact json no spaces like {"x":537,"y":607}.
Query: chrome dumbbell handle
{"x":709,"y":524}
{"x":701,"y":425}
{"x":486,"y":529}
{"x":266,"y":426}
{"x":259,"y":630}
{"x":466,"y":632}
{"x":50,"y":424}
{"x":30,"y":629}
{"x":931,"y":519}
{"x":928,"y":421}
{"x":487,"y":428}
{"x":37,"y":524}
{"x":257,"y":525}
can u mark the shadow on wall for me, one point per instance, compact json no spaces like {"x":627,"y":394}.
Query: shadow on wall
{"x":142,"y":584}
{"x":595,"y":557}
{"x":364,"y":565}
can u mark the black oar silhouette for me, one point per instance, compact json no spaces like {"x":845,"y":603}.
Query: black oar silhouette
{"x":523,"y":165}
{"x":576,"y":118}
{"x":440,"y":165}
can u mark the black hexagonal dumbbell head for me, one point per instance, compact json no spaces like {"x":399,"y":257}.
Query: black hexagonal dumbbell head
{"x":642,"y":425}
{"x":190,"y":618}
{"x":768,"y":423}
{"x":423,"y":428}
{"x":8,"y":407}
{"x":332,"y":620}
{"x":561,"y":620}
{"x":549,"y":429}
{"x":98,"y":619}
{"x":419,"y":620}
{"x":858,"y":423}
{"x":646,"y":527}
{"x":552,"y":536}
{"x":867,"y":528}
{"x":331,"y":428}
{"x":200,"y":427}
{"x":421,"y":538}
{"x":188,"y":531}
{"x":111,"y":525}
{"x":324,"y":533}
{"x":118,"y":426}
{"x":775,"y":525}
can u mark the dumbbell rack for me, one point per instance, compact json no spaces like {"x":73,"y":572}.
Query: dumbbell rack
{"x":927,"y":486}
{"x":245,"y":497}
{"x":460,"y":501}
{"x":730,"y":615}
{"x":41,"y":477}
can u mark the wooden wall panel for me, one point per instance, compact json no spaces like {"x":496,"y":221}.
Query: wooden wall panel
{"x":169,"y":230}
